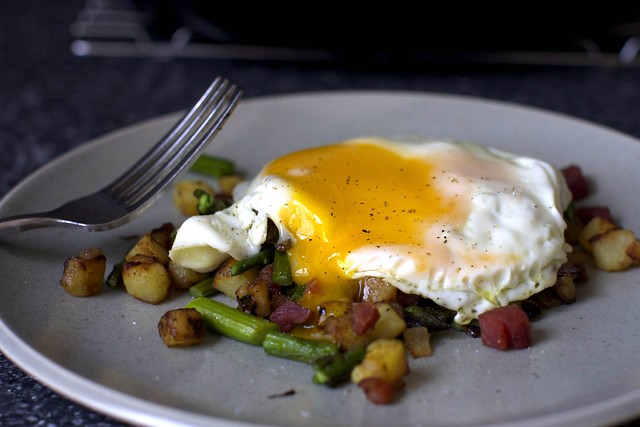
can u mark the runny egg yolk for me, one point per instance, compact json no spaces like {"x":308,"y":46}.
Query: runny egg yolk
{"x":348,"y":196}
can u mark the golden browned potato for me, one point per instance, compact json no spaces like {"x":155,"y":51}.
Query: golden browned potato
{"x":389,"y":325}
{"x":148,"y":246}
{"x":565,"y":289}
{"x":83,"y":275}
{"x":336,"y":323}
{"x":164,"y":235}
{"x":594,"y":228}
{"x":183,"y":277}
{"x":375,"y":289}
{"x":182,"y":327}
{"x":226,"y":283}
{"x":385,"y":359}
{"x":418,"y":341}
{"x":253,"y":297}
{"x":615,"y":250}
{"x":183,"y":196}
{"x":146,"y":278}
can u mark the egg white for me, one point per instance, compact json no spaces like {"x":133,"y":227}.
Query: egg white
{"x":508,"y":246}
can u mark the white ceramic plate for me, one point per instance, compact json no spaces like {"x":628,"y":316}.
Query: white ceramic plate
{"x":104,"y":352}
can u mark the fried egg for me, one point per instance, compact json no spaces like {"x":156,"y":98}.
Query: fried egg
{"x":469,"y":227}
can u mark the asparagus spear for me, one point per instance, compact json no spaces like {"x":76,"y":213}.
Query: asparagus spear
{"x":330,"y":366}
{"x":203,"y":288}
{"x":430,"y":317}
{"x":335,"y":369}
{"x":207,"y":204}
{"x":281,"y":269}
{"x":263,"y":257}
{"x":296,"y":348}
{"x":295,"y":292}
{"x":232,"y":322}
{"x":114,"y":279}
{"x":213,"y":166}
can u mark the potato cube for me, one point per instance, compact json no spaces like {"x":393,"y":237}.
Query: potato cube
{"x":253,"y":297}
{"x":226,"y":283}
{"x":183,"y":196}
{"x":146,"y":278}
{"x":164,"y":235}
{"x":389,"y":325}
{"x":183,"y":277}
{"x":375,"y":289}
{"x":565,"y":289}
{"x":595,"y":227}
{"x":385,"y":359}
{"x":182,"y":327}
{"x":83,"y":275}
{"x":338,"y":328}
{"x":616,"y":250}
{"x":418,"y":341}
{"x":148,"y":246}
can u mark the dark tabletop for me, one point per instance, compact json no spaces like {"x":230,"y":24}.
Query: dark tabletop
{"x":52,"y":101}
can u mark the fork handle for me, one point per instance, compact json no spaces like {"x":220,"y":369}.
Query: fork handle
{"x":90,"y":213}
{"x":16,"y":223}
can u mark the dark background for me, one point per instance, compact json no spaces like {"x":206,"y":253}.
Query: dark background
{"x":53,"y":100}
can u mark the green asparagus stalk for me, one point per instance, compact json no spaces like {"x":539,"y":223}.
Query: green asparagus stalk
{"x":114,"y":279}
{"x":281,"y":269}
{"x":262,"y":258}
{"x":295,"y":292}
{"x":335,"y":369}
{"x":213,"y":166}
{"x":207,"y":203}
{"x":204,"y":288}
{"x":429,"y":317}
{"x":232,"y":322}
{"x":295,"y":348}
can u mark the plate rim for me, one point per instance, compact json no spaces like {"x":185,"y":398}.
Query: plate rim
{"x":616,"y":409}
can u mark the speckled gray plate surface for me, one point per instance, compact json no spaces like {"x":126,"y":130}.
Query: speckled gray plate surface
{"x":104,"y":352}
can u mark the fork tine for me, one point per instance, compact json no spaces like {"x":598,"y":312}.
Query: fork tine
{"x":178,"y":132}
{"x":182,"y":154}
{"x":149,"y":179}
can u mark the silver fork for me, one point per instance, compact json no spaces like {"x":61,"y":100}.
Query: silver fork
{"x":146,"y":181}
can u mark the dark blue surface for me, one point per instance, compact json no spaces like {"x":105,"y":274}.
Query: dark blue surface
{"x":52,"y":101}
